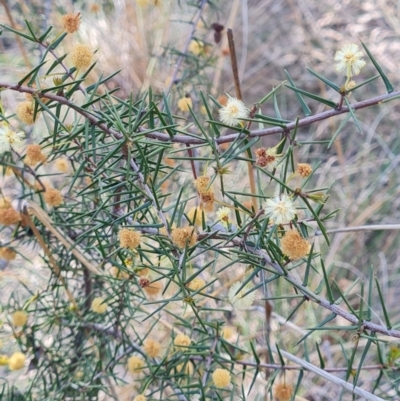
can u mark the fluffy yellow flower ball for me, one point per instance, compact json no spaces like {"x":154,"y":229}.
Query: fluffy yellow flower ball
{"x":196,"y":284}
{"x":53,"y":197}
{"x":81,"y":56}
{"x":221,"y":377}
{"x":24,"y":112}
{"x":135,"y":364}
{"x":152,"y":347}
{"x":140,"y":397}
{"x":7,"y":254}
{"x":128,"y":238}
{"x":98,"y":305}
{"x":16,"y":361}
{"x":19,"y":318}
{"x":182,"y":341}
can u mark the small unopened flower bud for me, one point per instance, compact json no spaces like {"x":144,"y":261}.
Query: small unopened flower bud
{"x":318,"y":197}
{"x":57,"y":81}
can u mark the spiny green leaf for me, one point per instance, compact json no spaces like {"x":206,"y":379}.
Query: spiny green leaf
{"x":314,"y":97}
{"x":306,"y":109}
{"x":389,"y":86}
{"x":325,"y":80}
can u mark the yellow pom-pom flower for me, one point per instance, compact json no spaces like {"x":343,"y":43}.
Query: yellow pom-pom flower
{"x":221,"y":377}
{"x":4,"y":360}
{"x":223,"y":215}
{"x":34,"y":155}
{"x":294,"y":245}
{"x":349,"y":60}
{"x":282,"y":391}
{"x":53,"y":197}
{"x":195,"y":216}
{"x":202,"y":184}
{"x":7,"y":254}
{"x":25,"y":111}
{"x":98,"y":305}
{"x":196,"y":284}
{"x":196,"y":47}
{"x":9,"y":216}
{"x":135,"y":364}
{"x":152,"y":347}
{"x":233,"y":112}
{"x":71,"y":22}
{"x":129,"y":238}
{"x":182,"y":341}
{"x":62,"y":164}
{"x":81,"y":56}
{"x":19,"y":318}
{"x":183,"y":235}
{"x":184,"y":103}
{"x":16,"y":361}
{"x":280,"y":209}
{"x":304,"y":169}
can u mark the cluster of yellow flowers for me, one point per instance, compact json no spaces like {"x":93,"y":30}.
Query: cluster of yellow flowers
{"x":15,"y":362}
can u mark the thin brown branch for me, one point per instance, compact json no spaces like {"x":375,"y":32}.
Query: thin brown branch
{"x":235,"y":71}
{"x":236,"y":80}
{"x":198,"y":141}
